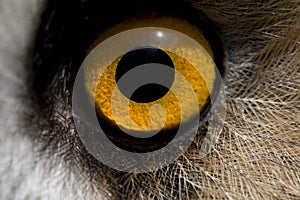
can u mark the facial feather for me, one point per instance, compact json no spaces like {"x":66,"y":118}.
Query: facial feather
{"x":258,"y":153}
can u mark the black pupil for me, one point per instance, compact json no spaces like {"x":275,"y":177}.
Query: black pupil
{"x":152,"y":66}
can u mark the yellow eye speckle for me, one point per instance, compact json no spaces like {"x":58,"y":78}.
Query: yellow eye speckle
{"x":192,"y":61}
{"x":139,"y":112}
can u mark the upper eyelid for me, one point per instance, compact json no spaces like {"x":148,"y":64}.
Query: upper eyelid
{"x":72,"y":32}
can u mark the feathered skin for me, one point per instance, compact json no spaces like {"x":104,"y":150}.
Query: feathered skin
{"x":258,"y":152}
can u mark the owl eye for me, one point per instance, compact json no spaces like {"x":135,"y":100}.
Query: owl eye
{"x":145,"y":82}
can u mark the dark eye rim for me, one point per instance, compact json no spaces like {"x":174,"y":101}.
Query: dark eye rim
{"x":56,"y":51}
